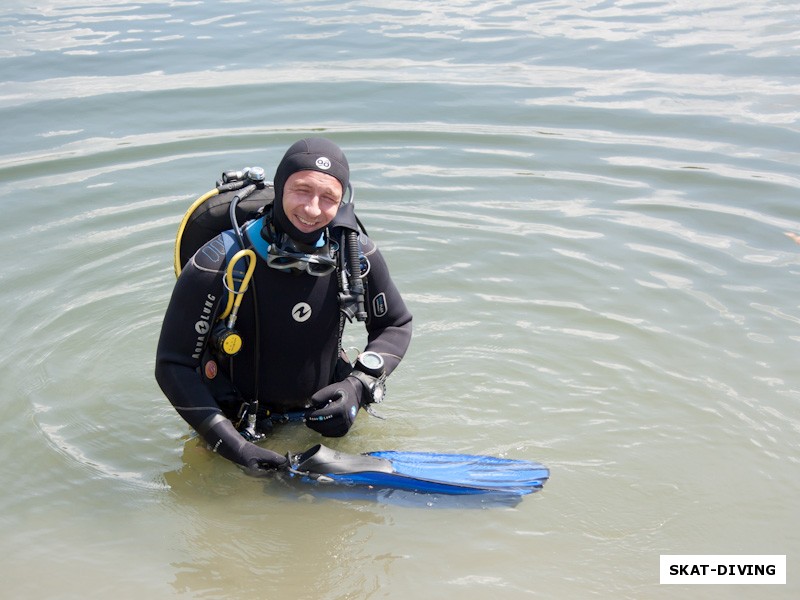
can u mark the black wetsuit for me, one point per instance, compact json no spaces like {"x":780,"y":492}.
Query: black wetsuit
{"x":289,"y":322}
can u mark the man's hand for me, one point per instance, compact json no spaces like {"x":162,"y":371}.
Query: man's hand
{"x":229,"y":443}
{"x":334,"y":407}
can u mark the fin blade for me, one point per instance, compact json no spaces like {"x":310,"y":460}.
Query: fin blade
{"x":425,"y":472}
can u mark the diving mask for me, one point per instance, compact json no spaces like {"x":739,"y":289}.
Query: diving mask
{"x":290,"y":257}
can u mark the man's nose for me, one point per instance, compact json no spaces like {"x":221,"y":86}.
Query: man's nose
{"x":312,"y":206}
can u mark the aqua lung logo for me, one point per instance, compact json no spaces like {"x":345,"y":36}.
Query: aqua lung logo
{"x":203,"y":325}
{"x":323,"y":163}
{"x":379,"y":307}
{"x":301,"y":312}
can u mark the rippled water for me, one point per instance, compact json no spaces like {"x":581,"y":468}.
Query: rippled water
{"x":586,"y":205}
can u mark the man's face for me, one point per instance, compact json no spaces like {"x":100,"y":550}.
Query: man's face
{"x":311,"y":199}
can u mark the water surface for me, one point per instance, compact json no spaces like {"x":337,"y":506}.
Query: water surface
{"x":585,"y":204}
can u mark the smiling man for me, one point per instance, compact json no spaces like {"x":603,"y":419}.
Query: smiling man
{"x":310,"y":183}
{"x":291,"y":365}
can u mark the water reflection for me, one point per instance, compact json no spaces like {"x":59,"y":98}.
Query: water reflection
{"x":272,"y":547}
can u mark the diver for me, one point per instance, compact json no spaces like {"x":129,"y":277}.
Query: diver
{"x":285,"y":283}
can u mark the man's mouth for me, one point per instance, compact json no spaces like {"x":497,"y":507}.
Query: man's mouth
{"x":306,"y":222}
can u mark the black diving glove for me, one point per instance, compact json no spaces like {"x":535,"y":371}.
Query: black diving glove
{"x":334,"y":407}
{"x":229,"y":443}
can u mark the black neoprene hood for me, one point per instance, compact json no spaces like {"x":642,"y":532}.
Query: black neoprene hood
{"x":310,"y":154}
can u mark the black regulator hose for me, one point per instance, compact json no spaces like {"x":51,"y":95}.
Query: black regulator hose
{"x":356,"y":283}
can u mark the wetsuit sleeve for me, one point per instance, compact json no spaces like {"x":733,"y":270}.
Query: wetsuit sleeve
{"x":389,"y":323}
{"x":193,"y":309}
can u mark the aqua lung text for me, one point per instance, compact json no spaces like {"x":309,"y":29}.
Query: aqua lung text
{"x":203,"y":325}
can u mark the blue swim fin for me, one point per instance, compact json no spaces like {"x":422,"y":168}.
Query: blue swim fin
{"x":421,"y":472}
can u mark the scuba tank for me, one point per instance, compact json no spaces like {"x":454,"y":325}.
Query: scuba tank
{"x":210,"y":215}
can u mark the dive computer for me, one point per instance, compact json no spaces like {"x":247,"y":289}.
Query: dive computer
{"x":369,"y":370}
